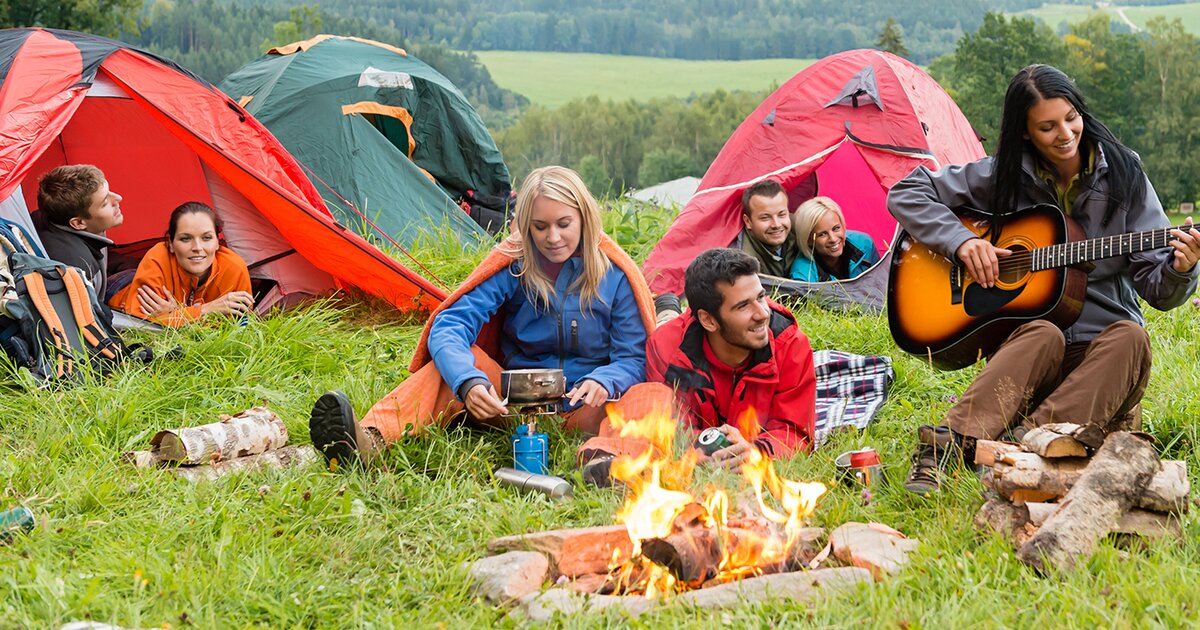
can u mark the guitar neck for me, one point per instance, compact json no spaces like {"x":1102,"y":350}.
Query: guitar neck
{"x":1073,"y":253}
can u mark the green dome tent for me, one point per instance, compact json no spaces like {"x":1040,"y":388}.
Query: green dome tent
{"x":390,"y":143}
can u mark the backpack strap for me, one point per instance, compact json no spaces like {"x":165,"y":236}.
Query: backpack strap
{"x":64,"y":358}
{"x":81,"y":304}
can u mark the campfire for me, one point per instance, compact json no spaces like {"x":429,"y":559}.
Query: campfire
{"x":682,"y":541}
{"x":674,"y":547}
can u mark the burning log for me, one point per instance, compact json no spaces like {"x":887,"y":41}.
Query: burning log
{"x":694,"y":555}
{"x":1119,"y":472}
{"x":1028,"y":478}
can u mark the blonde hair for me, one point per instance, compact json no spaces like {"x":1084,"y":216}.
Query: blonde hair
{"x":561,"y":184}
{"x":805,"y":219}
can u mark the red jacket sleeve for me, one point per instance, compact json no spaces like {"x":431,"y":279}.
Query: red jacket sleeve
{"x":791,"y":423}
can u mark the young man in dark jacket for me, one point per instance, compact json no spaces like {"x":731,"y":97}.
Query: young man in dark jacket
{"x":75,"y":209}
{"x":737,"y":361}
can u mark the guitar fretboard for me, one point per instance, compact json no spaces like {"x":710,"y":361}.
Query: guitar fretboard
{"x":1067,"y":254}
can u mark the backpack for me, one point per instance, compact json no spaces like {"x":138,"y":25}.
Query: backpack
{"x":56,"y":322}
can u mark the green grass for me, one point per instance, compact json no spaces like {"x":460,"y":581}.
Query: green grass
{"x":553,"y":79}
{"x":1055,"y":14}
{"x":384,"y":548}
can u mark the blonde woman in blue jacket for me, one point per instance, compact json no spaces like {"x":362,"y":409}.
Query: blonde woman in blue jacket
{"x":828,"y":251}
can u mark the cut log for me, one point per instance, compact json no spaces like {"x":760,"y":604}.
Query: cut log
{"x":1046,"y":442}
{"x":1010,"y":521}
{"x":1028,"y":478}
{"x":694,"y":555}
{"x":1019,"y":470}
{"x":872,"y":546}
{"x":988,"y":452}
{"x":1168,"y":490}
{"x":286,"y":457}
{"x":253,"y":431}
{"x":1109,"y":486}
{"x":1136,"y":521}
{"x":573,"y":552}
{"x":1089,"y":435}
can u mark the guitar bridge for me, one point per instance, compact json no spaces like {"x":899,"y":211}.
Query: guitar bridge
{"x":956,"y":283}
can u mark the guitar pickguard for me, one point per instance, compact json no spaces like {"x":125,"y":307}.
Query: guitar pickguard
{"x":980,"y":301}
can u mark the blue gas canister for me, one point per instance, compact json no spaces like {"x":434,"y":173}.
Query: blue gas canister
{"x":531,"y":451}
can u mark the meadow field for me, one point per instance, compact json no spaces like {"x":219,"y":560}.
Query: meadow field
{"x":385,"y":548}
{"x":553,"y":79}
{"x":1054,"y":14}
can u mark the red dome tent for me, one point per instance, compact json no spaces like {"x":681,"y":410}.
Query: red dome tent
{"x":848,"y":127}
{"x":163,"y":136}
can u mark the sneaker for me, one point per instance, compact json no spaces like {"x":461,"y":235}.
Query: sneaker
{"x":937,"y":449}
{"x":334,"y":431}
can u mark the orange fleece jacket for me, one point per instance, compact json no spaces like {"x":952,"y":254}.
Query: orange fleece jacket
{"x":159,"y":269}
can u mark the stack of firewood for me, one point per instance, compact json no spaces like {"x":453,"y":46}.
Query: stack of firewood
{"x":1067,"y":486}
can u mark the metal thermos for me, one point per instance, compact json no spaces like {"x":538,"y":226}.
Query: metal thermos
{"x":18,"y":519}
{"x":554,"y":487}
{"x":531,"y":451}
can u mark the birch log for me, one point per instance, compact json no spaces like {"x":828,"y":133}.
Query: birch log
{"x":1136,"y":521}
{"x":286,"y":457}
{"x":1049,"y":443}
{"x":1027,"y":478}
{"x":253,"y":431}
{"x":1107,"y":489}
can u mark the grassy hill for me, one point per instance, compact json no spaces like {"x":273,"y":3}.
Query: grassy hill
{"x":1055,"y":14}
{"x":552,"y":79}
{"x":305,"y":548}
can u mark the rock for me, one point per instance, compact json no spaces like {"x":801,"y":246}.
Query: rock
{"x":573,"y":552}
{"x":875,"y":547}
{"x":556,"y":600}
{"x":509,"y":576}
{"x":799,"y":586}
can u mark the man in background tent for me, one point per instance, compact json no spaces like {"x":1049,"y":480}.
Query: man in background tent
{"x":767,"y":227}
{"x":75,"y":209}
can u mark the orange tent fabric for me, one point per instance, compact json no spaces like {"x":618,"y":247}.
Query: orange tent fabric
{"x":164,"y":136}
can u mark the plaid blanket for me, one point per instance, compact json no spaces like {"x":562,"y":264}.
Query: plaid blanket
{"x":850,"y":390}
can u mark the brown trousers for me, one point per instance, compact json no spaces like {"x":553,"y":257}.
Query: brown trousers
{"x":1035,"y":378}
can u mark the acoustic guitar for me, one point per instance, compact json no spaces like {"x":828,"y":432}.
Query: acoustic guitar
{"x":936,"y":310}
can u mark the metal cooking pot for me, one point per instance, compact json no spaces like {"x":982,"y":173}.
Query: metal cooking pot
{"x":532,"y":385}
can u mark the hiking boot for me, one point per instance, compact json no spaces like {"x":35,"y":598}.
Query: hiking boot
{"x":337,"y":436}
{"x":938,"y":448}
{"x":598,"y":471}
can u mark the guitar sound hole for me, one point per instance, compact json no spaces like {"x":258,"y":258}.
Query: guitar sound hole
{"x":1015,"y":267}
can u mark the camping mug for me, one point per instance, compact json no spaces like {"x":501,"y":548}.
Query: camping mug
{"x":862,"y":466}
{"x":532,"y":386}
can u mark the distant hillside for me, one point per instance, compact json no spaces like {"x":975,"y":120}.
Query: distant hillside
{"x":684,"y":29}
{"x":553,"y":79}
{"x":1056,"y":15}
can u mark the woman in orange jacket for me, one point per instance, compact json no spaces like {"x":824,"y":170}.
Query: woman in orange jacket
{"x":188,"y":276}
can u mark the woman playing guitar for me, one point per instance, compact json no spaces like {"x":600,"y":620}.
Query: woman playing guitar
{"x":1051,"y":151}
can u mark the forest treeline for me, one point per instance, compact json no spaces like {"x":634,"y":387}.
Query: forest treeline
{"x":1144,"y":86}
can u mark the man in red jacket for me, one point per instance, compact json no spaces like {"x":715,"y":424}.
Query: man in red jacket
{"x":737,"y":361}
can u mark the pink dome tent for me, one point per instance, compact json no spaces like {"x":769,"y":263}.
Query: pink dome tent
{"x":849,"y":126}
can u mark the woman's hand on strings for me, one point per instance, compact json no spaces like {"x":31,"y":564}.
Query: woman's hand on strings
{"x":982,"y":260}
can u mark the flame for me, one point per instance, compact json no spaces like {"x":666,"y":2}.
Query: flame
{"x":658,"y":492}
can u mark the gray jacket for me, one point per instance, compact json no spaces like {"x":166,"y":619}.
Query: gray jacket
{"x":922,"y":204}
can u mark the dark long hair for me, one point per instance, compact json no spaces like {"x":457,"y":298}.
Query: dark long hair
{"x":1039,"y":82}
{"x":193,"y":207}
